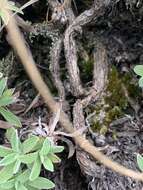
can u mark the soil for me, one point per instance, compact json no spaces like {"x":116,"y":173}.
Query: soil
{"x":118,"y":133}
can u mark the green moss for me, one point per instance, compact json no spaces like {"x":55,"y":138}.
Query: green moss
{"x":87,"y":69}
{"x":112,"y":114}
{"x":96,"y":126}
{"x":115,"y":103}
{"x":133,"y":90}
{"x":115,"y":93}
{"x":103,"y":129}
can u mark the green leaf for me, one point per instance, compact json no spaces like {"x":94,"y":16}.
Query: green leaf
{"x":31,"y":188}
{"x":41,"y":158}
{"x":9,"y":189}
{"x":39,"y":145}
{"x":29,"y":144}
{"x":9,"y":133}
{"x":16,"y":184}
{"x":48,"y":165}
{"x":46,"y":147}
{"x":3,"y":83}
{"x":20,"y":186}
{"x":14,"y":140}
{"x":8,"y":92}
{"x":6,"y":100}
{"x":4,"y":151}
{"x":28,"y":158}
{"x":8,"y":185}
{"x":24,"y":177}
{"x":35,"y":169}
{"x":6,"y":173}
{"x":54,"y":158}
{"x":42,"y":183}
{"x":56,"y":149}
{"x":16,"y":167}
{"x":140,"y":162}
{"x":141,"y":82}
{"x":10,"y":158}
{"x":10,"y":117}
{"x":138,"y":69}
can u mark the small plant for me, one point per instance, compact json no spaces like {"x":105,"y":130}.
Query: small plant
{"x":6,"y":98}
{"x":138,"y":69}
{"x":21,"y":164}
{"x":21,"y":182}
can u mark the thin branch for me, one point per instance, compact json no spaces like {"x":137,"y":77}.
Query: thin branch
{"x":71,"y":60}
{"x":55,"y":69}
{"x":100,"y":73}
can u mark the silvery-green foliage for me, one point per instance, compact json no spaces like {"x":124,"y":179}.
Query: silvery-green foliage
{"x":25,"y":159}
{"x":6,"y":98}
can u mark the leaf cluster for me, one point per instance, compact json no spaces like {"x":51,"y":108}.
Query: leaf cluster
{"x":7,"y":98}
{"x":21,"y":164}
